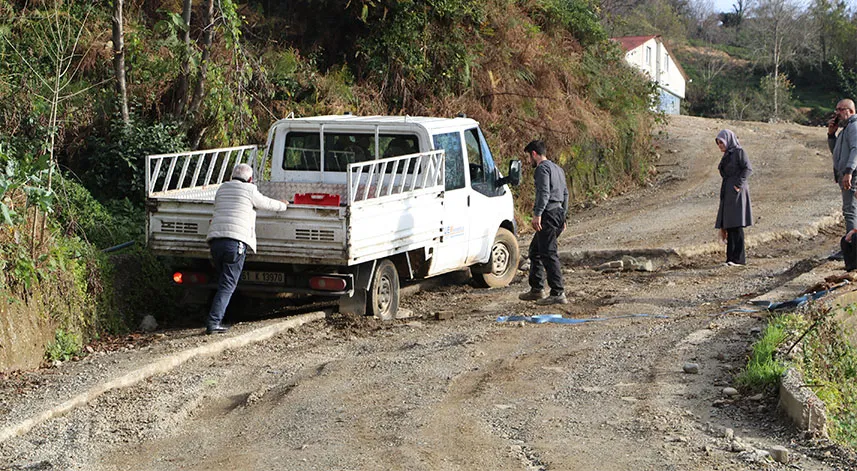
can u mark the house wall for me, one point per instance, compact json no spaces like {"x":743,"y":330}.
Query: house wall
{"x":672,"y":79}
{"x":653,"y":58}
{"x":669,"y":103}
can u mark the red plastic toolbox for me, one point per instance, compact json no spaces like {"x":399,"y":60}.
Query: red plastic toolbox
{"x":318,"y":199}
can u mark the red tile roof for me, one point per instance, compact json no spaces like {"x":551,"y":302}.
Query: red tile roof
{"x":631,"y":42}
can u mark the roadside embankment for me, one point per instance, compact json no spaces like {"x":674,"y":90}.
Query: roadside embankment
{"x":816,"y":349}
{"x":23,"y":335}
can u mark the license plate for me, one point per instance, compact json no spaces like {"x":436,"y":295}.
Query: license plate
{"x":266,"y":277}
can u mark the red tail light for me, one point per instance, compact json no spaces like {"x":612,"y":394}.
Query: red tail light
{"x":189,"y":278}
{"x":327,"y":283}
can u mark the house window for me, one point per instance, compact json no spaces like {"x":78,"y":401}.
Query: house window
{"x":648,"y":55}
{"x":666,"y":62}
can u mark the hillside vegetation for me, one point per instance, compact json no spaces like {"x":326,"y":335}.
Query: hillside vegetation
{"x":84,"y":98}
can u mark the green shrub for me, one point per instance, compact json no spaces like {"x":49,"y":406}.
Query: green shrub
{"x":577,"y":16}
{"x":764,"y":368}
{"x":65,"y":346}
{"x":103,"y":225}
{"x":23,"y":179}
{"x":783,"y":108}
{"x":284,"y":69}
{"x":846,"y":79}
{"x":420,"y":48}
{"x":116,"y":161}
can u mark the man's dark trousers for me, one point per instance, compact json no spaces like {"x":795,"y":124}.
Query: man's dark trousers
{"x":228,"y":258}
{"x":849,"y":252}
{"x":544,"y":256}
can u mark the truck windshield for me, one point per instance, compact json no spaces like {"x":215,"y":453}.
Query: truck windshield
{"x":303,"y":151}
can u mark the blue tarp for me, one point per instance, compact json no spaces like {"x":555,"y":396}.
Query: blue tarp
{"x":558,"y":319}
{"x":791,"y":304}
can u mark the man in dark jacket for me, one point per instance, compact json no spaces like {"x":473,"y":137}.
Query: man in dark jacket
{"x":549,"y":213}
{"x":844,"y":149}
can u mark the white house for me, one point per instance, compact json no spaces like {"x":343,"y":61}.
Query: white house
{"x":651,"y":55}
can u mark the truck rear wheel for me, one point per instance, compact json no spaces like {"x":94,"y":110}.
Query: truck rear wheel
{"x":384,"y":293}
{"x":502,"y":265}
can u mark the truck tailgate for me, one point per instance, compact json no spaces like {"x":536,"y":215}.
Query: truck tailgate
{"x":303,"y":234}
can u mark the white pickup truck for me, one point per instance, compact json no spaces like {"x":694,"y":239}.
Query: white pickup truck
{"x":373,"y":200}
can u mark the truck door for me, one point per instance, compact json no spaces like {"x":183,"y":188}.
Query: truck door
{"x":451,"y":253}
{"x":485,"y":208}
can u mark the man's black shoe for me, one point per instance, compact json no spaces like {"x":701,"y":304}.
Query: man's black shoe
{"x":837,"y":257}
{"x":216,"y":329}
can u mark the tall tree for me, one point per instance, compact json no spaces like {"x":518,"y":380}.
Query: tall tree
{"x":119,"y":59}
{"x":835,"y":31}
{"x":53,"y":61}
{"x":181,"y":88}
{"x":207,"y":40}
{"x":740,"y":8}
{"x":777,"y":37}
{"x":657,"y":17}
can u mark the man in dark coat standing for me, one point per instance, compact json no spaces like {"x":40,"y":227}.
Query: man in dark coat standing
{"x":549,"y":213}
{"x":844,"y":149}
{"x":734,"y":213}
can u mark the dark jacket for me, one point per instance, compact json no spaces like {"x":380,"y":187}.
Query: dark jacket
{"x":551,"y":190}
{"x":734,"y":208}
{"x":844,"y":149}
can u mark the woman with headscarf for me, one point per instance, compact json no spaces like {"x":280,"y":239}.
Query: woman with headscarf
{"x":734,"y":213}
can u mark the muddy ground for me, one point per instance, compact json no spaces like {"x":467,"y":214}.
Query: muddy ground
{"x":469,"y":392}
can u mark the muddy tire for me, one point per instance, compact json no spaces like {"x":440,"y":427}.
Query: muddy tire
{"x":501,"y":267}
{"x":384,"y":293}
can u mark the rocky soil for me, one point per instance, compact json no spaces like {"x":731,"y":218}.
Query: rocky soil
{"x":469,"y":392}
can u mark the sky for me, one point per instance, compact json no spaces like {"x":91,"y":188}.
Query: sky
{"x":726,"y":5}
{"x":723,"y":5}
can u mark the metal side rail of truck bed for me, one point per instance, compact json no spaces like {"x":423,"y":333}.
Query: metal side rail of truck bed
{"x":389,"y":206}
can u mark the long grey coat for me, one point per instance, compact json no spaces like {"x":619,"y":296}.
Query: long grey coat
{"x":734,"y":208}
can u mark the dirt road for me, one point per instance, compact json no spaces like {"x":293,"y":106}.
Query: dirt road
{"x":791,"y":188}
{"x":470,"y":392}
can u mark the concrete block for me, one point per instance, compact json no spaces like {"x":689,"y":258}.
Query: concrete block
{"x":801,"y":404}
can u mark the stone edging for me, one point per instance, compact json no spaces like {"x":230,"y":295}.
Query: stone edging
{"x":806,"y":231}
{"x":801,"y":404}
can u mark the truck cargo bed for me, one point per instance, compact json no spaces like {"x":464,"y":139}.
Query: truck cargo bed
{"x":381,"y":214}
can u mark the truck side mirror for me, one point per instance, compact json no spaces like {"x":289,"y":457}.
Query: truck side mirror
{"x":515,"y":172}
{"x":514,"y":176}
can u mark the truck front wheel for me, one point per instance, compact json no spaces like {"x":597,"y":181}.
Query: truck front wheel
{"x":502,"y":265}
{"x":384,"y":293}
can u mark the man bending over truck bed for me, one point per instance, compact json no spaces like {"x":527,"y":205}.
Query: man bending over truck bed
{"x":232,"y":232}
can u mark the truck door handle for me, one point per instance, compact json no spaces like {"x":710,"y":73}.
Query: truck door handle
{"x":468,"y":201}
